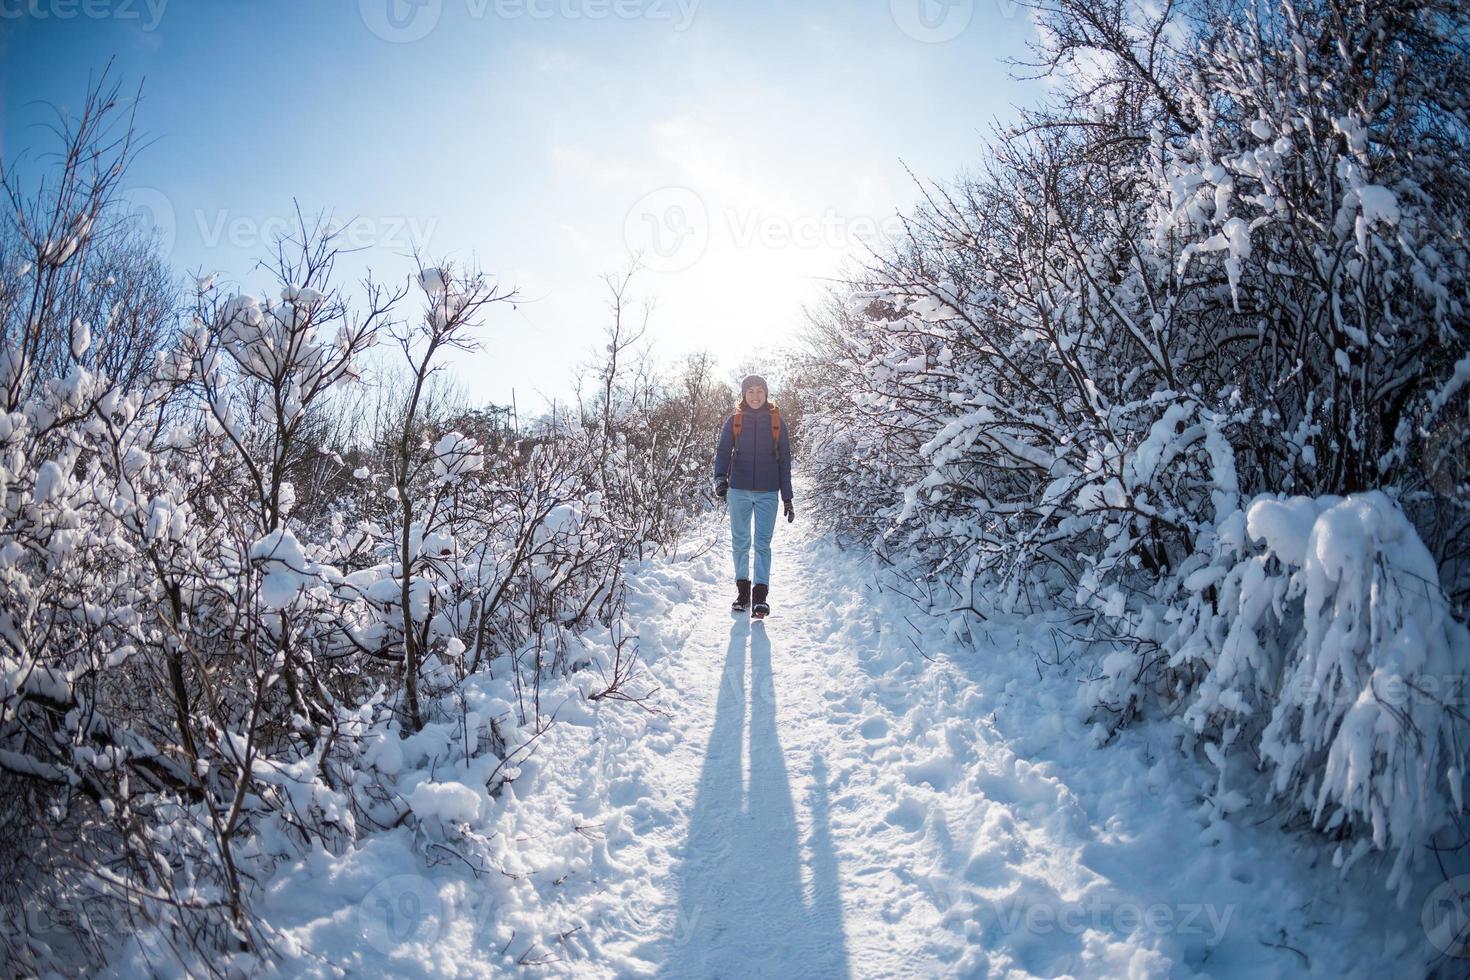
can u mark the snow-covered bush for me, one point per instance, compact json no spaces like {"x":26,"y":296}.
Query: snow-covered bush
{"x":1227,"y":258}
{"x":235,"y":628}
{"x":1329,"y":651}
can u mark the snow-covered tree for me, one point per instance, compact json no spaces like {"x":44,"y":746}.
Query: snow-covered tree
{"x":1227,"y":259}
{"x":228,"y":597}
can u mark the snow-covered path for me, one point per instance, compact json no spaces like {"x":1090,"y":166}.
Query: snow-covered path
{"x":752,"y":888}
{"x":841,"y":791}
{"x":757,"y":883}
{"x":823,"y":808}
{"x":828,"y":801}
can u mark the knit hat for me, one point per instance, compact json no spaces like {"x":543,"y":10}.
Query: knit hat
{"x":754,"y":381}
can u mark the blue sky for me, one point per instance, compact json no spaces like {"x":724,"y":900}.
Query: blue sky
{"x":746,"y":148}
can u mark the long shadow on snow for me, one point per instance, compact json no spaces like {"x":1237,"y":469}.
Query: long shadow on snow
{"x":743,"y":910}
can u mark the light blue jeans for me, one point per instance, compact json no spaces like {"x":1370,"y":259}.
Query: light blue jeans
{"x":745,"y":504}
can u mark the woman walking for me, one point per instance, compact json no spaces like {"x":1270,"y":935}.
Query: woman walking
{"x":753,"y":465}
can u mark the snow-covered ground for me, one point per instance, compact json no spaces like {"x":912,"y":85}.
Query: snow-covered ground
{"x":841,"y":791}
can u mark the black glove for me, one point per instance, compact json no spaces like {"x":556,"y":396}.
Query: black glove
{"x":722,"y":486}
{"x":790,"y":512}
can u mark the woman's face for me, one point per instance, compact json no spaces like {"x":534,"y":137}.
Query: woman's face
{"x":755,"y":396}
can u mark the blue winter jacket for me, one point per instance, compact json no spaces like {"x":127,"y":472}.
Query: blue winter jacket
{"x":755,"y":464}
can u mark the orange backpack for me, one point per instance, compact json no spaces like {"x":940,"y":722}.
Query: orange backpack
{"x":738,"y":420}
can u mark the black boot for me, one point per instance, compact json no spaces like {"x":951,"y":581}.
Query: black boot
{"x":742,"y":595}
{"x":760,"y":610}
